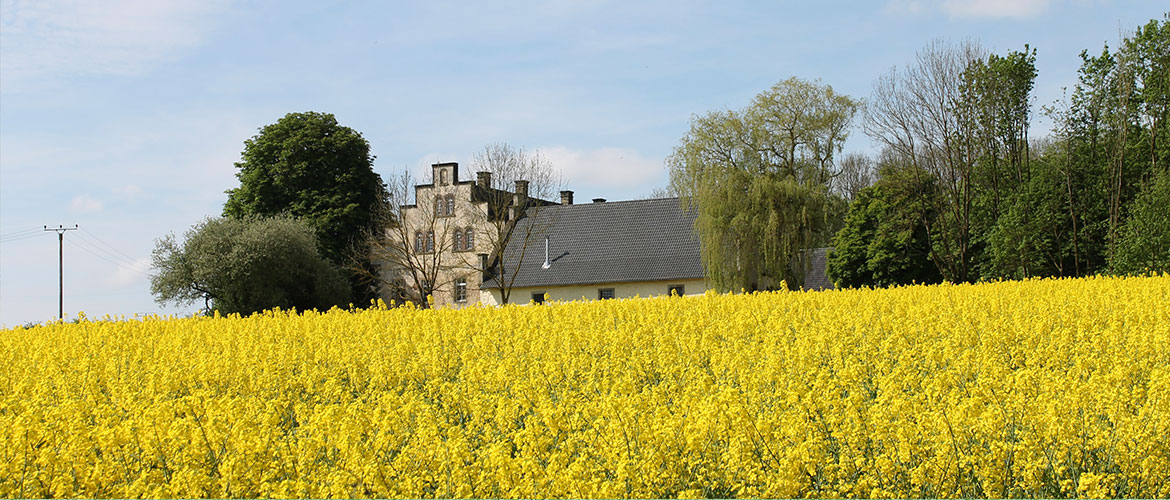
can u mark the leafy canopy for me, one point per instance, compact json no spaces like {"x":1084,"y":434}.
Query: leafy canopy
{"x":246,"y":265}
{"x":760,"y":179}
{"x":308,"y":166}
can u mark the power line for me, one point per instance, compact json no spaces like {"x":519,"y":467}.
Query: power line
{"x":122,"y":265}
{"x":119,"y":256}
{"x":22,"y":232}
{"x":107,"y":245}
{"x":12,"y":239}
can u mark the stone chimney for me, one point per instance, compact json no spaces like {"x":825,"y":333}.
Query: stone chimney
{"x":599,"y":200}
{"x":483,"y":179}
{"x":519,"y":199}
{"x":566,"y":197}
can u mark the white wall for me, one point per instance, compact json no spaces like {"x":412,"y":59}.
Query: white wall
{"x":589,"y":292}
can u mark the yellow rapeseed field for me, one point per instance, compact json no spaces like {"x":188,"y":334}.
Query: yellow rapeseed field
{"x":1014,"y":389}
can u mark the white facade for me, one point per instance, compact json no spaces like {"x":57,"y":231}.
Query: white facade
{"x":593,"y":291}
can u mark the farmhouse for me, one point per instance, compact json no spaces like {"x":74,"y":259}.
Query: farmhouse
{"x":562,"y":251}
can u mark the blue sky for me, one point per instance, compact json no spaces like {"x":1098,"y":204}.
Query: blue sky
{"x":126,"y":116}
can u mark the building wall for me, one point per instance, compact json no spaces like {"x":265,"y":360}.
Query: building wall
{"x":590,"y":292}
{"x":453,"y":264}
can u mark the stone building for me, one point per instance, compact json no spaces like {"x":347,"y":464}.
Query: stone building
{"x":561,"y":250}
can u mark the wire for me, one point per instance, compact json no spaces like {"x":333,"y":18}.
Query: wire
{"x":22,"y":232}
{"x":119,"y":256}
{"x":100,"y":256}
{"x":107,"y":245}
{"x":10,"y":239}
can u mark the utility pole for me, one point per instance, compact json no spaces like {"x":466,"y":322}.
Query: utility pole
{"x":60,"y":230}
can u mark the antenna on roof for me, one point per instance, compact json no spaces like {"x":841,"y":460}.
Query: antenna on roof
{"x":546,"y":264}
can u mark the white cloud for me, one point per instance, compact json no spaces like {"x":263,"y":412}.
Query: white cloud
{"x":52,"y":37}
{"x":84,"y":204}
{"x":611,"y":168}
{"x":974,"y":9}
{"x":128,"y":274}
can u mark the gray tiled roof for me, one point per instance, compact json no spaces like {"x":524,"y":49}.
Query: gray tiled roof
{"x":815,"y":277}
{"x":610,"y":242}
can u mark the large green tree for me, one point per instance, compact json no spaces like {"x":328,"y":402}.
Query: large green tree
{"x":884,"y":241}
{"x":308,"y":166}
{"x":246,"y":265}
{"x":760,"y":179}
{"x":1144,"y":244}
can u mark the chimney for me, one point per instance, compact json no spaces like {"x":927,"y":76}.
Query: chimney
{"x":599,"y":200}
{"x":519,"y":199}
{"x":546,"y":264}
{"x":483,"y":179}
{"x":566,"y":197}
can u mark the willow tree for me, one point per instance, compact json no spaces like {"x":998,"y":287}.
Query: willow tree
{"x":760,"y":180}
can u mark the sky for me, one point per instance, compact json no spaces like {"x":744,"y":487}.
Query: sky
{"x":125,"y":117}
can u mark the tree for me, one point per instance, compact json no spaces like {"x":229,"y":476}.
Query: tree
{"x":1033,"y":233}
{"x":246,"y":265}
{"x":519,"y":184}
{"x":411,"y":245}
{"x":961,"y":117}
{"x":857,"y":173}
{"x":884,"y":241}
{"x":1145,"y":239}
{"x":760,"y":179}
{"x":308,"y":166}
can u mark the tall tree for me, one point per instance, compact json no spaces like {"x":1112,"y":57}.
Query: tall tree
{"x":962,"y":118}
{"x":1144,"y":245}
{"x":858,"y":172}
{"x":519,"y":184}
{"x":884,"y":241}
{"x":760,"y":179}
{"x":309,"y":166}
{"x":246,"y":265}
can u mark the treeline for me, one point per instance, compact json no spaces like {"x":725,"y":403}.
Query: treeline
{"x":962,"y":193}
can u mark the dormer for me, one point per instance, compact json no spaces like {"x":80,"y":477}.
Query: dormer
{"x":444,"y":174}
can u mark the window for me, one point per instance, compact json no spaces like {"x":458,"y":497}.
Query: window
{"x":458,"y":240}
{"x":604,"y":293}
{"x":418,"y":242}
{"x":537,"y":297}
{"x":443,"y":177}
{"x":678,"y":290}
{"x":430,"y":241}
{"x":450,"y":204}
{"x":468,"y":239}
{"x":438,"y":206}
{"x":461,"y":290}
